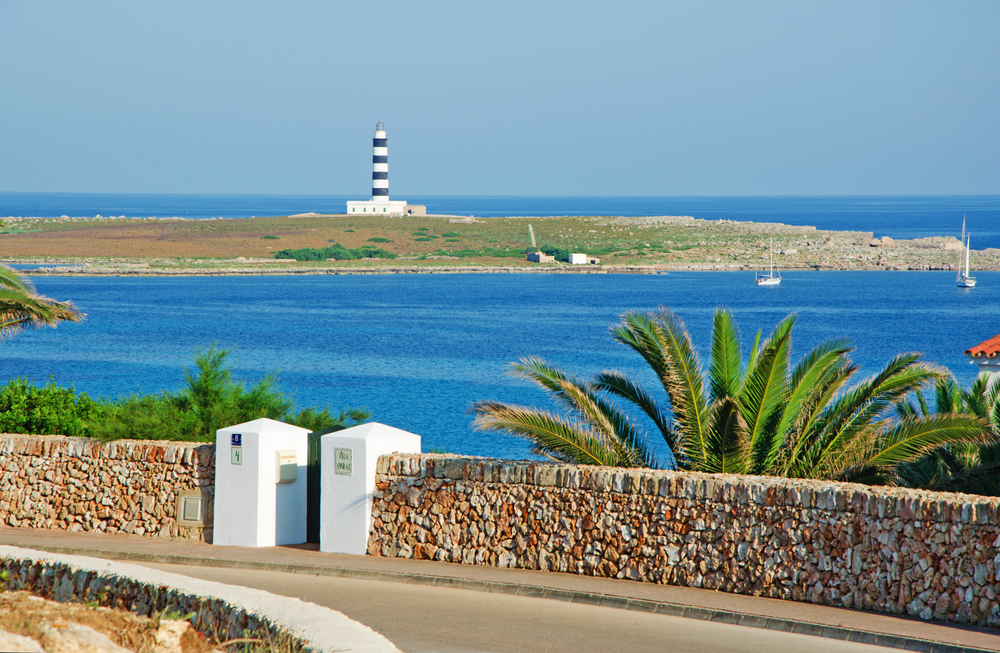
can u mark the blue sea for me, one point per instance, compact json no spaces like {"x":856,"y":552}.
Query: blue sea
{"x":896,"y":217}
{"x":417,"y":350}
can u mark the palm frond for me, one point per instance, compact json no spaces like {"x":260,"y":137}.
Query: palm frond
{"x":809,"y":383}
{"x":763,"y":394}
{"x":725,"y":375}
{"x":947,"y":396}
{"x":617,"y":384}
{"x":726,"y":454}
{"x":906,"y":441}
{"x":857,"y":408}
{"x":591,"y":414}
{"x":553,"y":436}
{"x":665,"y":345}
{"x":19,"y":310}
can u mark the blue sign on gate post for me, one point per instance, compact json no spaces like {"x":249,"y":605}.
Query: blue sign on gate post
{"x":237,"y":439}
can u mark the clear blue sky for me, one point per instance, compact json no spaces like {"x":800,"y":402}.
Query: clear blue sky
{"x":502,"y":98}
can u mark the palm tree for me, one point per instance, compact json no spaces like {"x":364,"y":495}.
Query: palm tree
{"x":764,"y":417}
{"x":972,"y":468}
{"x":21,"y":306}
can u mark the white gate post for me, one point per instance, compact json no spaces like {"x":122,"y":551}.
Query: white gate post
{"x":349,"y":460}
{"x":260,"y":484}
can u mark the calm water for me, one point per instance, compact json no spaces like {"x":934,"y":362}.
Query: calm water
{"x":897,"y":217}
{"x":418,"y":349}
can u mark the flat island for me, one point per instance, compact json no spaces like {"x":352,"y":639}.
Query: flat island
{"x":259,"y":245}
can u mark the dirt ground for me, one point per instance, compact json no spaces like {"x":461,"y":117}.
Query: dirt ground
{"x":48,"y":623}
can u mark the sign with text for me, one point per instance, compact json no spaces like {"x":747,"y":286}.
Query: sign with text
{"x":237,"y":455}
{"x":343,"y":462}
{"x":237,"y":439}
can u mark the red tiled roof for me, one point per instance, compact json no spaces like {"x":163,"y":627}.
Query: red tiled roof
{"x":990,"y":348}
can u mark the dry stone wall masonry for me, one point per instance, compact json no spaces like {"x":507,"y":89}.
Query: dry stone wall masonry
{"x":931,"y":555}
{"x":213,"y":617}
{"x":80,"y":484}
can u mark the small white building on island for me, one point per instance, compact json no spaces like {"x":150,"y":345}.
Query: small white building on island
{"x":380,"y":203}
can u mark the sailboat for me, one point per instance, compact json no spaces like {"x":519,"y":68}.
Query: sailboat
{"x":769,"y":279}
{"x":964,"y":280}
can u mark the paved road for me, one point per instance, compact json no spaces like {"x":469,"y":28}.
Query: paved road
{"x":424,"y":619}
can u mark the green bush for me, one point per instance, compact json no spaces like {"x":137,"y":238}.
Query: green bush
{"x":210,"y":400}
{"x":451,"y":234}
{"x":558,"y":252}
{"x":335,"y":251}
{"x":269,"y":237}
{"x":47,"y":410}
{"x":378,"y":239}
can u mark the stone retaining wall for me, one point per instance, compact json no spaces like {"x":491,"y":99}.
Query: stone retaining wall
{"x":215,"y":618}
{"x":128,"y":486}
{"x":932,"y":555}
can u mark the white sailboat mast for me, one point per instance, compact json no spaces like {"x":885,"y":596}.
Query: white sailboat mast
{"x":958,"y":277}
{"x":968,"y":242}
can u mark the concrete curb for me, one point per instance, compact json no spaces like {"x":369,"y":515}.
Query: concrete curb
{"x":322,"y":629}
{"x":569,"y":596}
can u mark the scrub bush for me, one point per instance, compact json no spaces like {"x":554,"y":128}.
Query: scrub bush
{"x":335,"y":251}
{"x":47,"y":410}
{"x":211,"y":399}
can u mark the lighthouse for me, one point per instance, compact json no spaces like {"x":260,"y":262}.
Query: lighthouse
{"x":380,"y":165}
{"x":380,"y":203}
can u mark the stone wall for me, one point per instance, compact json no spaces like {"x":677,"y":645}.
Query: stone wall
{"x":932,"y":555}
{"x":215,"y":618}
{"x":128,"y":486}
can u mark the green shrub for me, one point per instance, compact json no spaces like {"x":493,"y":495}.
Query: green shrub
{"x":269,"y":237}
{"x":378,"y":239}
{"x":210,"y":400}
{"x":335,"y":251}
{"x":451,"y":234}
{"x":47,"y":410}
{"x":558,"y":252}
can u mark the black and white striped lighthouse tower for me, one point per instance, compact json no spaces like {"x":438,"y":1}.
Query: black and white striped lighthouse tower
{"x":380,"y":202}
{"x":380,"y":165}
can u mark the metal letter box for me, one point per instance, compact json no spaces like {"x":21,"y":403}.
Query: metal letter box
{"x":286,"y":466}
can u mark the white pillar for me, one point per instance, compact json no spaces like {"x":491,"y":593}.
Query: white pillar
{"x":252,"y":508}
{"x":349,"y":459}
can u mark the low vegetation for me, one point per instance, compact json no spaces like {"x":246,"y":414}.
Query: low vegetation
{"x":211,"y":399}
{"x":169,"y":245}
{"x":335,"y":252}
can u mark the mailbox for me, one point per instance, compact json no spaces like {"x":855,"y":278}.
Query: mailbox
{"x":285,"y":466}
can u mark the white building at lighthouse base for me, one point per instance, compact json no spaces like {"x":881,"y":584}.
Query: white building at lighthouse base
{"x":385,"y":207}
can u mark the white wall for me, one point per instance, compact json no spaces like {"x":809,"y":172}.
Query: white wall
{"x":393,"y":207}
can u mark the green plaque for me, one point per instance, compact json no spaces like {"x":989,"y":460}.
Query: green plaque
{"x":343,"y":461}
